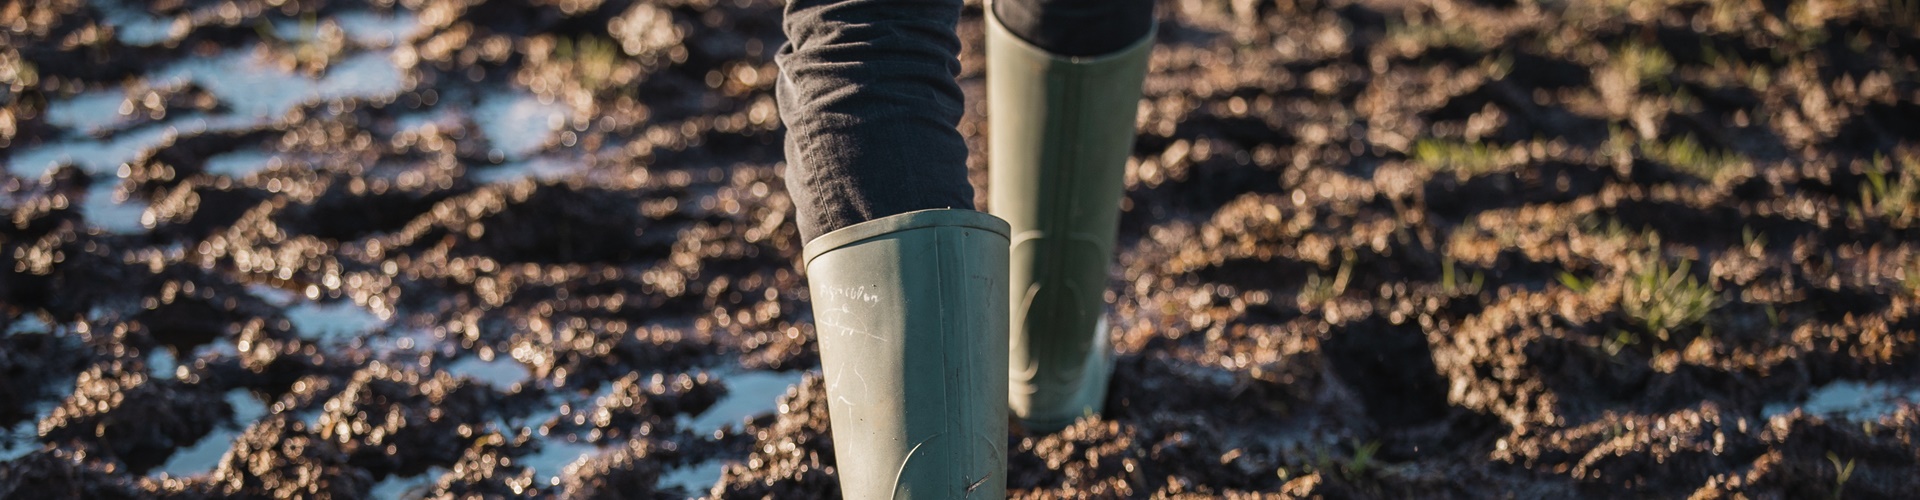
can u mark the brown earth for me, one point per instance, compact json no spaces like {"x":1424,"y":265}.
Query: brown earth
{"x":1370,"y":249}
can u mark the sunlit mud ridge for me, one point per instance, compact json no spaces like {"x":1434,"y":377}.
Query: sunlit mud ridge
{"x":1371,"y":248}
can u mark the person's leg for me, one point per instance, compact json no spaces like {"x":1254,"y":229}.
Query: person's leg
{"x":1063,"y":84}
{"x":1077,"y":28}
{"x":911,"y":324}
{"x":867,"y":93}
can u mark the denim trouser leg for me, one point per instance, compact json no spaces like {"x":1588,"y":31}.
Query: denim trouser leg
{"x":868,"y":96}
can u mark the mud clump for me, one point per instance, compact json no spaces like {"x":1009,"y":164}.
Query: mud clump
{"x":485,"y":469}
{"x":281,"y":458}
{"x":30,"y":363}
{"x":793,"y":452}
{"x":629,"y":471}
{"x":395,"y":421}
{"x":65,"y":472}
{"x":119,"y":411}
{"x":649,"y":408}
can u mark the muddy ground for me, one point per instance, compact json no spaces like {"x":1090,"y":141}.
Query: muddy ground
{"x":1370,"y":249}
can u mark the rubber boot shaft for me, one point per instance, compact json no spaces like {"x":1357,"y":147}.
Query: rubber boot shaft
{"x":911,"y":315}
{"x":1062,"y":129}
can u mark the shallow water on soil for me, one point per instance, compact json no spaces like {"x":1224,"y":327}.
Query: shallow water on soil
{"x":1350,"y":141}
{"x":18,"y":440}
{"x":22,"y":438}
{"x":517,"y":123}
{"x":255,"y":92}
{"x":101,"y":157}
{"x":554,"y":457}
{"x":242,"y":163}
{"x":749,"y":394}
{"x":259,"y":91}
{"x":1852,"y":400}
{"x":204,"y":455}
{"x":88,"y":112}
{"x":502,"y":372}
{"x":540,"y":168}
{"x":134,"y":26}
{"x":376,"y":29}
{"x":406,"y":488}
{"x":693,"y":480}
{"x":339,"y":321}
{"x":26,"y":324}
{"x":112,"y":215}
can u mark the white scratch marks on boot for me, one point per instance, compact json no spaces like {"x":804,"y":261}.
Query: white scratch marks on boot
{"x":833,"y":321}
{"x":976,"y":484}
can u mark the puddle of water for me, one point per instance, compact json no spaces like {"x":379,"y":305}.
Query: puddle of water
{"x":296,"y":30}
{"x":501,"y":373}
{"x":111,"y":215}
{"x":256,"y":91}
{"x":18,"y":440}
{"x":23,"y":437}
{"x":442,"y":119}
{"x":541,"y":168}
{"x":260,"y":91}
{"x":555,"y":455}
{"x":1851,"y":400}
{"x":404,"y":340}
{"x":693,"y":481}
{"x":136,"y":26}
{"x":274,"y":296}
{"x":220,"y":347}
{"x":88,"y":112}
{"x":243,"y":163}
{"x":161,"y":364}
{"x":101,"y":157}
{"x":340,"y":320}
{"x":517,"y":123}
{"x":407,"y":488}
{"x":205,"y":454}
{"x":748,"y":394}
{"x":27,"y":323}
{"x":378,"y":30}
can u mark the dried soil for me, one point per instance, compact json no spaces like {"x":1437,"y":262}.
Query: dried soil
{"x":1369,"y":249}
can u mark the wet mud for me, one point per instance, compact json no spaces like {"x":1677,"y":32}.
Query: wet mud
{"x":1369,"y":249}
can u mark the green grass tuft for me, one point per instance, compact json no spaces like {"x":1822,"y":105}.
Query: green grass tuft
{"x":592,"y":60}
{"x":1463,"y":159}
{"x":1362,"y":460}
{"x":1842,"y":473}
{"x":1451,"y":282}
{"x":1644,"y":63}
{"x":1320,"y":289}
{"x":1664,"y":299}
{"x":1685,"y":154}
{"x":1892,"y":190}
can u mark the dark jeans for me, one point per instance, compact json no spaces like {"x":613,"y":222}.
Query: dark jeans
{"x":868,"y":96}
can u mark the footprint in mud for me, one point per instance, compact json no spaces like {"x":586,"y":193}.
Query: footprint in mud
{"x":749,"y":394}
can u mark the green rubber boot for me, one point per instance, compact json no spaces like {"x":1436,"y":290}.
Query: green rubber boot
{"x":1062,"y":129}
{"x":911,"y":315}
